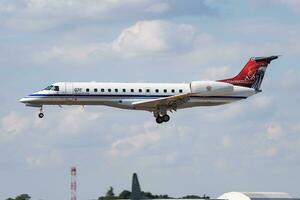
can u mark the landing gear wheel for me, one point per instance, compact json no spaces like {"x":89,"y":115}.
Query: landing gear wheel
{"x":166,"y":118}
{"x":159,"y":120}
{"x":41,"y":115}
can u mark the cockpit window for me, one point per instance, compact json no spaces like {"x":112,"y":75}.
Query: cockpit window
{"x":49,"y":87}
{"x":52,"y":87}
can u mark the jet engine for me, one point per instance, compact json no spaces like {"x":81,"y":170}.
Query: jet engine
{"x":208,"y":88}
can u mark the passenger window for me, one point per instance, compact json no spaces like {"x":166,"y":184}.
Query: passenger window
{"x":95,"y":90}
{"x":147,"y":90}
{"x":109,"y":90}
{"x":116,"y":90}
{"x":124,"y":90}
{"x":102,"y":90}
{"x":87,"y":90}
{"x":173,"y":91}
{"x":157,"y":90}
{"x":132,"y":90}
{"x":180,"y":91}
{"x":140,"y":90}
{"x":165,"y":90}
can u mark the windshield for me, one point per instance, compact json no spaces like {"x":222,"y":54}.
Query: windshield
{"x":52,"y":87}
{"x":49,"y":87}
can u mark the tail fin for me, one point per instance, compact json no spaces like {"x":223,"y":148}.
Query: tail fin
{"x":136,"y":193}
{"x":252,"y":74}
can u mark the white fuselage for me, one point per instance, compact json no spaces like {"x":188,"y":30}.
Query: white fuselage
{"x":124,"y":95}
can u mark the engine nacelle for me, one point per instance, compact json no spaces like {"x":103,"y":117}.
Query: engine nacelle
{"x":205,"y":88}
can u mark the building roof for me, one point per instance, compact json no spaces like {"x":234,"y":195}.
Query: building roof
{"x":281,"y":195}
{"x":256,"y":196}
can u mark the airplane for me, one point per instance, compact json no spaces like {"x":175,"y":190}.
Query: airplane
{"x":158,"y":98}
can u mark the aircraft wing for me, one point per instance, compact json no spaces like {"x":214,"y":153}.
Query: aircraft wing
{"x":171,"y":102}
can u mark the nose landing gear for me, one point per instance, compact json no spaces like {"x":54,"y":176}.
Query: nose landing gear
{"x":41,"y":114}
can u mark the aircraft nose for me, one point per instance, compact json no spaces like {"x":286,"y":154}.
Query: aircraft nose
{"x":23,"y":100}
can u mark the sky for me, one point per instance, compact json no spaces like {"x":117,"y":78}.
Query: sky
{"x":251,"y":145}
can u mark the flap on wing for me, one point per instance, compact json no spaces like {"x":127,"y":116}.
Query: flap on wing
{"x":169,"y":101}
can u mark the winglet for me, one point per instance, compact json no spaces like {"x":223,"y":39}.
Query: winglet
{"x":136,"y":193}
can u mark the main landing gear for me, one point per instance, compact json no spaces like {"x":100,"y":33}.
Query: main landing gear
{"x":161,"y":116}
{"x":161,"y":119}
{"x":41,"y":114}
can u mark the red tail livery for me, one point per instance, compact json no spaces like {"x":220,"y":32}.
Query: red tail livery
{"x":252,"y":74}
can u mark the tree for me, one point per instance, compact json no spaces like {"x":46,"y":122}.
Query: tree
{"x":191,"y":197}
{"x":110,"y":193}
{"x":125,"y":194}
{"x":147,"y":195}
{"x":20,"y":197}
{"x":195,"y":197}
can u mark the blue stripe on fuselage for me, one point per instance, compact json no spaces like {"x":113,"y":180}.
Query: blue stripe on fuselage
{"x":125,"y":96}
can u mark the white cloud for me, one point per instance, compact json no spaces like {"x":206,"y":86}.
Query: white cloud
{"x":274,"y":131}
{"x":45,"y":159}
{"x":146,"y":140}
{"x":293,"y":4}
{"x":71,"y":121}
{"x":159,"y":7}
{"x":227,"y":141}
{"x":290,"y":79}
{"x":209,"y":50}
{"x":128,"y":146}
{"x":142,"y":39}
{"x":229,"y":112}
{"x":6,"y":8}
{"x":261,"y":101}
{"x":214,"y":73}
{"x":154,"y":37}
{"x":43,"y":15}
{"x":12,"y":125}
{"x":271,"y":152}
{"x":73,"y":54}
{"x":66,"y":123}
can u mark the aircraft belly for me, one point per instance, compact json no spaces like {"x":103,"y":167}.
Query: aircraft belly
{"x":195,"y":102}
{"x":117,"y":102}
{"x":206,"y":101}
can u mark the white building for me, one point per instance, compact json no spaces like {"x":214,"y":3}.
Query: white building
{"x":256,"y":196}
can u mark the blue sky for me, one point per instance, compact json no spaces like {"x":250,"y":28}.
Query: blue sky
{"x":252,"y":145}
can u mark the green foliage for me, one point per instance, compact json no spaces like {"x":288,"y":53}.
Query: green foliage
{"x":110,"y":193}
{"x":191,"y":197}
{"x":125,"y":194}
{"x":195,"y":197}
{"x":20,"y":197}
{"x":149,"y":195}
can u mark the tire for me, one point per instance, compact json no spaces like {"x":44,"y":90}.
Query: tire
{"x":41,"y":115}
{"x":159,"y":120}
{"x":166,"y":118}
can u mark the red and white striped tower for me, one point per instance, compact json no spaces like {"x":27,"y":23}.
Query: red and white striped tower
{"x":73,"y":183}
